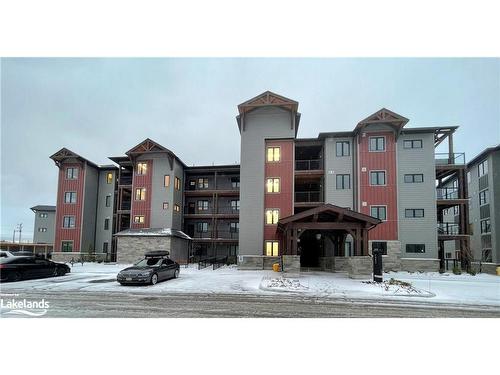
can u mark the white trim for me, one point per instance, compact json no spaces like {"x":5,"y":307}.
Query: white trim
{"x":379,"y":205}
{"x":377,"y":170}
{"x":377,"y":136}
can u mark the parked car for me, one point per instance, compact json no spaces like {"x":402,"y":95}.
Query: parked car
{"x":29,"y":267}
{"x":156,"y":266}
{"x":5,"y":254}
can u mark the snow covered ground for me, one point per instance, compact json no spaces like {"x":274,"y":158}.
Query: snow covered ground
{"x":481,"y":289}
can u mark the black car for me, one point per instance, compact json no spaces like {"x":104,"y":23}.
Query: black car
{"x":156,"y":266}
{"x":29,"y":267}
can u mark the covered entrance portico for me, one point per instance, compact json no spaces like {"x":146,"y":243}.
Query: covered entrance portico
{"x":319,"y":234}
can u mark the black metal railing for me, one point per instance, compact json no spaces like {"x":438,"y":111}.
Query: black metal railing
{"x":308,"y":165}
{"x":448,"y":228}
{"x":219,"y":262}
{"x":125,"y":206}
{"x":446,"y":158}
{"x":211,"y":210}
{"x":205,"y":262}
{"x":227,"y":235}
{"x":308,"y":196}
{"x":125,"y":180}
{"x":447,"y":193}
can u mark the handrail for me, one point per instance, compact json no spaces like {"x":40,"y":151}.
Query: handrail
{"x":308,"y":165}
{"x":445,"y":158}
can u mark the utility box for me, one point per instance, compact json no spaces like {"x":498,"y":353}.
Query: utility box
{"x":377,"y":265}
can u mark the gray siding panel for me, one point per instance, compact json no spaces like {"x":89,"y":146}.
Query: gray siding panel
{"x":262,"y":123}
{"x":334,"y":166}
{"x":48,"y":222}
{"x":89,"y":209}
{"x":103,"y":212}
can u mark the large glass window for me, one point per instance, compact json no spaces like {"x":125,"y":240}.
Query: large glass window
{"x":273,"y":185}
{"x":272,"y":248}
{"x":273,"y":154}
{"x":380,"y":212}
{"x":485,"y":226}
{"x":140,"y":194}
{"x":377,"y":144}
{"x":70,"y":197}
{"x":203,"y":183}
{"x":272,"y":216}
{"x":483,"y":168}
{"x":342,"y":148}
{"x":142,"y":168}
{"x":377,"y":178}
{"x":68,"y":222}
{"x":71,"y":173}
{"x":203,"y":205}
{"x":343,"y":181}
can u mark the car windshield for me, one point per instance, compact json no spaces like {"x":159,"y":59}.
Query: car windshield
{"x":149,"y":262}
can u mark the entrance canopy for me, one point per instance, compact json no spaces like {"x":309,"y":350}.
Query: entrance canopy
{"x":334,"y":221}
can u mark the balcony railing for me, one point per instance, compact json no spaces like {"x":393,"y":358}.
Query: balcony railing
{"x":308,"y":165}
{"x":221,"y":235}
{"x":227,"y":235}
{"x":308,"y":196}
{"x":447,"y":193}
{"x":448,"y":229}
{"x":211,"y":211}
{"x":125,"y":180}
{"x":125,"y":206}
{"x":457,"y":158}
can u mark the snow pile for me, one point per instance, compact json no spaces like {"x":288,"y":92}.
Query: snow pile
{"x":282,"y":283}
{"x":398,"y":288}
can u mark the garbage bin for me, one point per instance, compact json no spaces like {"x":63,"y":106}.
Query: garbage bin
{"x":377,"y":265}
{"x":276,"y":267}
{"x":498,"y":271}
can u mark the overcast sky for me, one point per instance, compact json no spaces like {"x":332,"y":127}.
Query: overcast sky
{"x":103,"y":107}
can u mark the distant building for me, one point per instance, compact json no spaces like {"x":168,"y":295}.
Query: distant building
{"x":44,"y":229}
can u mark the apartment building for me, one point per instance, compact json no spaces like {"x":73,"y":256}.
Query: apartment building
{"x":43,"y":230}
{"x":322,"y":202}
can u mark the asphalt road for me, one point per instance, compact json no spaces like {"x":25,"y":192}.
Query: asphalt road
{"x":127,"y":305}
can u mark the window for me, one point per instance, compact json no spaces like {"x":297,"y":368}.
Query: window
{"x":234,"y":227}
{"x":272,"y":216}
{"x":272,"y":248}
{"x":486,"y":256}
{"x":202,"y":205}
{"x":343,"y":181}
{"x":108,"y":200}
{"x":202,"y":227}
{"x":273,"y":154}
{"x":70,"y":197}
{"x":109,"y":177}
{"x":414,"y":212}
{"x":483,"y":197}
{"x":165,"y":205}
{"x":42,"y":229}
{"x":105,"y":247}
{"x":414,"y":143}
{"x":235,"y":205}
{"x":414,"y":178}
{"x":177,"y":183}
{"x":106,"y":223}
{"x":380,"y":212}
{"x":485,"y":226}
{"x":273,"y":185}
{"x":43,"y":215}
{"x":483,"y":168}
{"x":235,"y":182}
{"x":342,"y":148}
{"x":68,"y":222}
{"x":468,"y":177}
{"x":67,"y":246}
{"x":139,"y":219}
{"x":140,"y":194}
{"x":142,"y":168}
{"x":166,"y":180}
{"x":415,"y":248}
{"x":177,"y":208}
{"x":203,"y":183}
{"x":71,"y":173}
{"x":233,"y":250}
{"x":379,"y":245}
{"x":377,"y":178}
{"x":377,"y":144}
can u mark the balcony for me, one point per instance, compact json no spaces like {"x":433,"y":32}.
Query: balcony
{"x":222,"y":210}
{"x":308,"y":196}
{"x":219,"y":236}
{"x":447,"y":159}
{"x":309,"y":165}
{"x":125,"y":180}
{"x":448,"y":229}
{"x":447,"y":193}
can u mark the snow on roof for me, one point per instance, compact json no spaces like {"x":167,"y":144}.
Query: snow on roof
{"x":156,"y":232}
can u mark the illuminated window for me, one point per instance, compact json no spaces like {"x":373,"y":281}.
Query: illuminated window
{"x":142,"y":168}
{"x":272,"y":248}
{"x":139,"y":219}
{"x":483,"y":168}
{"x":177,"y":208}
{"x":43,"y":215}
{"x":72,"y":173}
{"x":42,"y":229}
{"x":273,"y":185}
{"x":165,"y":205}
{"x":235,"y":205}
{"x":202,"y":205}
{"x":203,"y":183}
{"x":272,"y":216}
{"x":109,"y":177}
{"x":177,"y":183}
{"x":140,"y":194}
{"x":166,"y":180}
{"x":273,"y":154}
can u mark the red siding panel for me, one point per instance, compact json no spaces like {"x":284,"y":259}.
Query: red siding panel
{"x":69,"y":209}
{"x":380,"y":195}
{"x":142,"y":207}
{"x":285,"y":171}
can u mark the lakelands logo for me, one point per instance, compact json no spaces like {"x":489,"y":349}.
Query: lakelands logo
{"x":24,"y":307}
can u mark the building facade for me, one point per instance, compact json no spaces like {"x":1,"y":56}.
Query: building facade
{"x":44,"y":228}
{"x":319,"y":202}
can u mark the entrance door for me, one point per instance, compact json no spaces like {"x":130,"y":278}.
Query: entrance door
{"x":311,"y":249}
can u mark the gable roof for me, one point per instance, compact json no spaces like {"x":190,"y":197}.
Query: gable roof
{"x":42,"y":207}
{"x":64,"y":154}
{"x":325,"y":210}
{"x":384,"y":116}
{"x":150,"y":146}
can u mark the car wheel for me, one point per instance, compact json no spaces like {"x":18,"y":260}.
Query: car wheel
{"x":154,"y":279}
{"x":16,"y":276}
{"x":176,"y":274}
{"x":61,"y":272}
